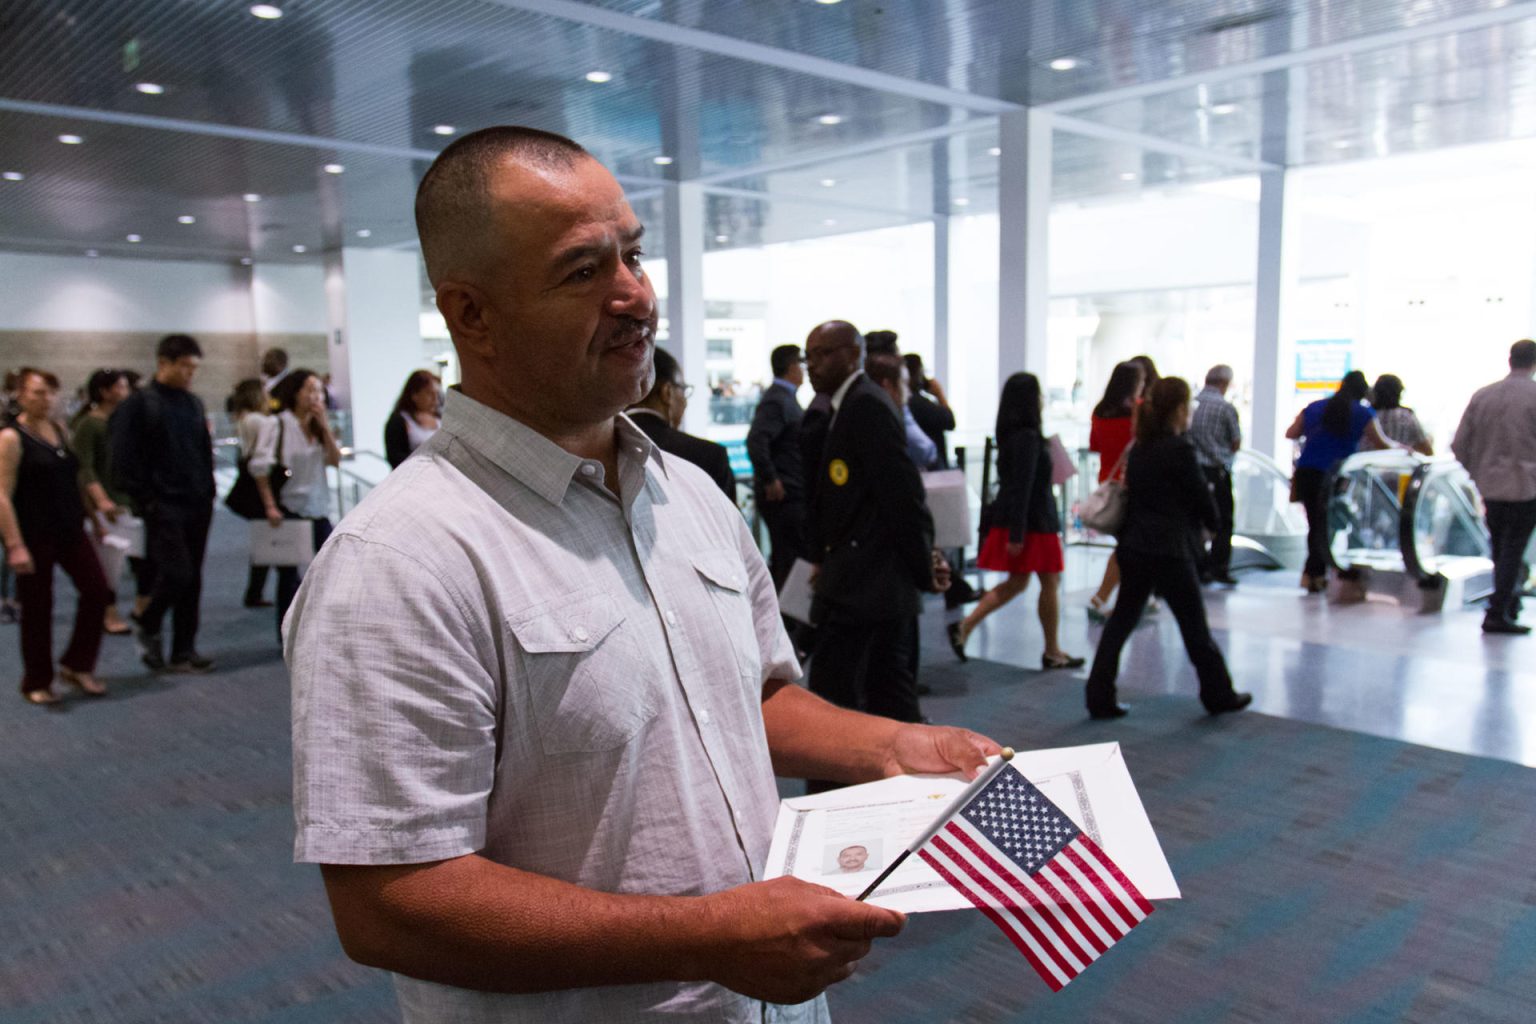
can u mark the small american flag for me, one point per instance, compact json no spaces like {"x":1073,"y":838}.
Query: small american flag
{"x":1023,"y":863}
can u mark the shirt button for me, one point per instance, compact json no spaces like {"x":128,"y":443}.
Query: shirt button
{"x":580,"y":635}
{"x":588,"y":470}
{"x":671,"y":618}
{"x":703,"y":716}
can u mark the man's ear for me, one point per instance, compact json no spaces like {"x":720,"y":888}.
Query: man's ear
{"x":464,"y":309}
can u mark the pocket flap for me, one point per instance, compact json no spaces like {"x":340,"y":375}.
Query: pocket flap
{"x":722,"y":569}
{"x":568,"y":625}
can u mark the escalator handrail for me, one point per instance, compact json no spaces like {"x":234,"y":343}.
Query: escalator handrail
{"x":1407,"y":532}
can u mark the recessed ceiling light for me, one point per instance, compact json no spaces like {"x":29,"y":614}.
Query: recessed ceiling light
{"x":364,"y":233}
{"x":828,"y":182}
{"x":92,"y":253}
{"x":1224,"y":108}
{"x":186,"y":218}
{"x":443,"y":129}
{"x":301,"y":248}
{"x":1063,"y":64}
{"x":133,"y":238}
{"x":829,"y":3}
{"x":252,"y":197}
{"x":661,"y":161}
{"x":830,"y":222}
{"x":245,"y":261}
{"x":334,"y":168}
{"x":722,"y":239}
{"x":150,"y":88}
{"x":995,"y":151}
{"x":267,"y":12}
{"x":71,"y":140}
{"x":13,"y":176}
{"x":830,"y":119}
{"x":599,"y":77}
{"x":1128,"y":175}
{"x":962,"y":201}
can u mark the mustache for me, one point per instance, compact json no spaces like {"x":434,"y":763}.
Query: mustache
{"x":630,"y":329}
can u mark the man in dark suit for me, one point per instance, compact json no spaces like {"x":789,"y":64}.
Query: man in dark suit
{"x":773,"y":445}
{"x":871,"y":536}
{"x":660,"y":412}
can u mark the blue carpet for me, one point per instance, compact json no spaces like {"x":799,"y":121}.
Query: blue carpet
{"x":1328,"y":876}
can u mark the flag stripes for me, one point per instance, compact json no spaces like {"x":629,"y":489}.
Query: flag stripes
{"x":1062,"y":918}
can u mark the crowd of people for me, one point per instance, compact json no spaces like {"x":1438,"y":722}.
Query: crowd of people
{"x":542,"y":712}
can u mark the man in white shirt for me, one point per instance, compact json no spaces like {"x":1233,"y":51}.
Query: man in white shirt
{"x":541,"y":687}
{"x":1496,"y":441}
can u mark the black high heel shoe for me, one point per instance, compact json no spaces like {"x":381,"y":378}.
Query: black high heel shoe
{"x":1109,"y":711}
{"x":955,"y":643}
{"x":1048,"y":663}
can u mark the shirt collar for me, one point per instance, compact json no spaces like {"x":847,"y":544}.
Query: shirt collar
{"x":1211,"y":391}
{"x":527,"y":455}
{"x":842,"y":391}
{"x":640,"y":410}
{"x":786,"y":385}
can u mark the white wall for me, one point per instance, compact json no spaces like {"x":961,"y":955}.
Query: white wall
{"x":76,"y":293}
{"x":289,"y":298}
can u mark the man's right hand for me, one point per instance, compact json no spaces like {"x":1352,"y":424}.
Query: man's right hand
{"x":19,"y":559}
{"x":786,"y":941}
{"x":275,"y":517}
{"x":773,"y":491}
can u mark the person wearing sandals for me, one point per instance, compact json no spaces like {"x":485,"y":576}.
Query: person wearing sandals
{"x":1109,"y":434}
{"x":251,"y":407}
{"x":42,"y":521}
{"x":106,"y":391}
{"x":1160,"y":546}
{"x":1021,"y":533}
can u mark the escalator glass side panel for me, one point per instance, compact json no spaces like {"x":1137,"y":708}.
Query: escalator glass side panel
{"x":1262,"y":510}
{"x":1365,"y":507}
{"x":1447,"y":524}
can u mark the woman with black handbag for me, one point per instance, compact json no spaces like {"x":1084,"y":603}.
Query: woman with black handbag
{"x":1021,"y":532}
{"x":249,"y":406}
{"x":1168,"y":502}
{"x":289,"y":464}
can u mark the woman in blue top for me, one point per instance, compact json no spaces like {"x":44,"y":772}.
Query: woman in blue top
{"x":1330,"y":431}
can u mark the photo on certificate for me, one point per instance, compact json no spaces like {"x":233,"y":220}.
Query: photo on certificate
{"x":853,"y":858}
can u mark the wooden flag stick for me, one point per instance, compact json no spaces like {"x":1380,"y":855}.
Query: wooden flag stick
{"x":950,"y":811}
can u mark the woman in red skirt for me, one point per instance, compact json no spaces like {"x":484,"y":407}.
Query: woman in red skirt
{"x":1021,"y":530}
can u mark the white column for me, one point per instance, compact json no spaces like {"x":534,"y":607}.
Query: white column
{"x":940,"y":367}
{"x":1024,"y":211}
{"x":373,"y":298}
{"x":1275,"y":283}
{"x":685,"y":294}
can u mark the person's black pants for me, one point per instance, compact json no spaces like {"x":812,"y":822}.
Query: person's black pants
{"x":255,"y":583}
{"x":1179,"y":584}
{"x":786,"y":536}
{"x":1311,"y":491}
{"x":290,"y":576}
{"x":1218,"y":562}
{"x":176,"y":540}
{"x":1509,"y":530}
{"x":868,"y":666}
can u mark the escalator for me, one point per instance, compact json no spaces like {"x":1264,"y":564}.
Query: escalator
{"x":1413,"y":524}
{"x":1268,"y":530}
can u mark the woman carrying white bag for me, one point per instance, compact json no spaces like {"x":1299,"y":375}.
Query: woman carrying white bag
{"x":298,"y":444}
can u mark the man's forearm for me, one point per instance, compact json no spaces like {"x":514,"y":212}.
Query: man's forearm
{"x":472,"y":923}
{"x":809,"y":738}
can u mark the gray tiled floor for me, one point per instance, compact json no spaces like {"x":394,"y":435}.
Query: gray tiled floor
{"x":1375,"y":668}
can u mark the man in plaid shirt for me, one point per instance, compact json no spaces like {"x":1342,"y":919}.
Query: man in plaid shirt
{"x":1217,"y":438}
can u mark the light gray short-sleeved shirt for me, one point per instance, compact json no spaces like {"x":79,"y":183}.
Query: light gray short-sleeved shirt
{"x":493,"y":654}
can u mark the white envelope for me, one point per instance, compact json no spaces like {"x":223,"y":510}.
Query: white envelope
{"x":795,"y":598}
{"x":290,"y":544}
{"x":950,"y":503}
{"x":1089,"y":783}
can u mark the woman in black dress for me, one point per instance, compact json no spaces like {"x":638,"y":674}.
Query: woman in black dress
{"x":1023,"y":528}
{"x":1160,"y":543}
{"x":42,"y":521}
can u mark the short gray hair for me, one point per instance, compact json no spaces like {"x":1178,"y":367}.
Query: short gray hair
{"x":1218,"y":375}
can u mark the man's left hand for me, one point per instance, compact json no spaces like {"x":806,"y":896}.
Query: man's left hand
{"x":938,"y":750}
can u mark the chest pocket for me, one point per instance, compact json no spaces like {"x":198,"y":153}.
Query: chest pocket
{"x":582,"y":674}
{"x":725,"y":578}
